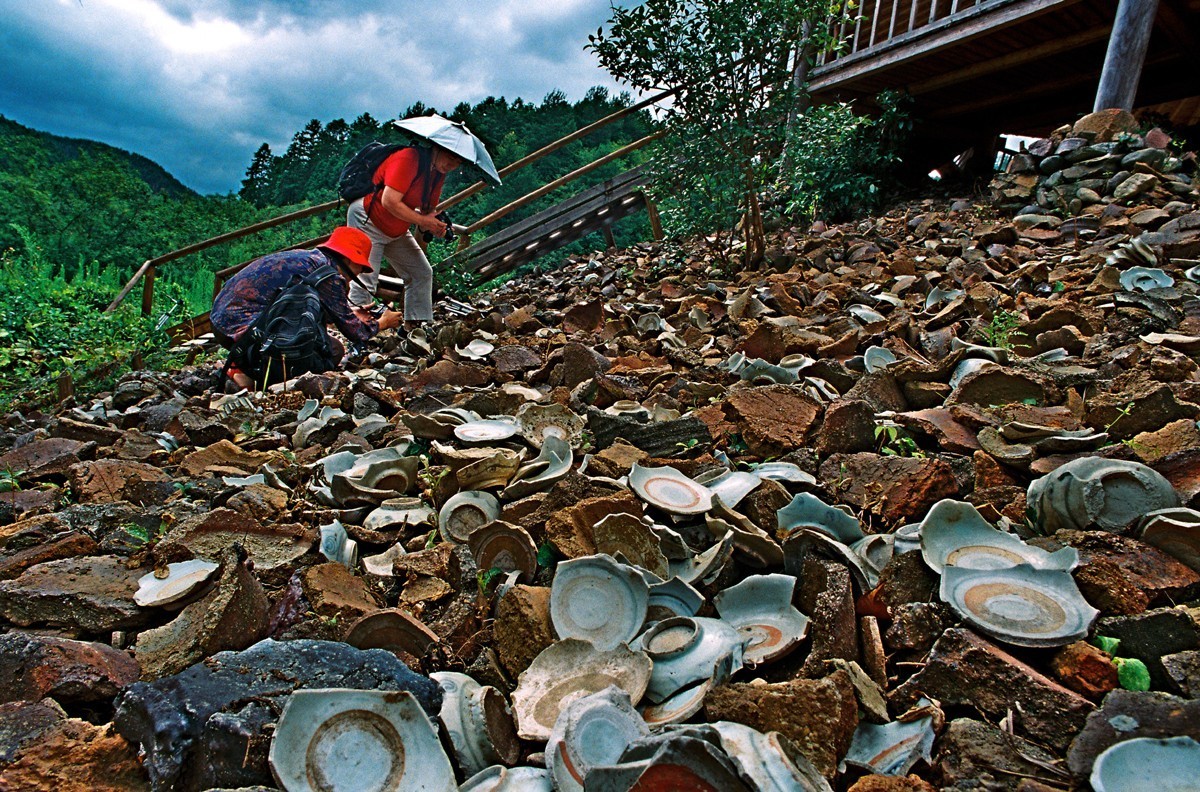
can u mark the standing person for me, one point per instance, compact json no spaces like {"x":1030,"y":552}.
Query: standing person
{"x":328,"y":268}
{"x":408,"y":187}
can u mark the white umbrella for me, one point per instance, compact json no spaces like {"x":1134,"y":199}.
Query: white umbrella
{"x":454,"y":136}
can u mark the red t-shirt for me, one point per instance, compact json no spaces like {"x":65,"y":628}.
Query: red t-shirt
{"x":401,"y":172}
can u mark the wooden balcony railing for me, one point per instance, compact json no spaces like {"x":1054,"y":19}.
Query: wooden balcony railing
{"x":863,"y":25}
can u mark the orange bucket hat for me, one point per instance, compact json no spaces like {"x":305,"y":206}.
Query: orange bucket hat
{"x":351,"y":243}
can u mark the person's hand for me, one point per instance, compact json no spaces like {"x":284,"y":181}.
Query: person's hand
{"x":390,"y":319}
{"x":434,"y":226}
{"x":363,"y":312}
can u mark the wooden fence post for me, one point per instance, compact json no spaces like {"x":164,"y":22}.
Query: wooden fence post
{"x":1126,"y":54}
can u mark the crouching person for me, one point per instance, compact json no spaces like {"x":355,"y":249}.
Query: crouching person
{"x":271,"y":316}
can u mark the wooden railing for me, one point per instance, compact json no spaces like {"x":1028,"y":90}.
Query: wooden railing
{"x":864,"y":25}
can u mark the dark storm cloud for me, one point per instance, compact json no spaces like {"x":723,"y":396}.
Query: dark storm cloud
{"x":198,"y":85}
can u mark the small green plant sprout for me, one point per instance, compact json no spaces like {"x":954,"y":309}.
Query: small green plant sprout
{"x":10,"y":480}
{"x":484,"y":578}
{"x":431,"y":540}
{"x":1132,"y":673}
{"x":137,"y":532}
{"x":1002,"y":329}
{"x":545,"y":555}
{"x":891,"y":439}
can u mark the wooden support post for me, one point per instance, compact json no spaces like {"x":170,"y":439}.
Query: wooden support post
{"x":609,"y":239}
{"x":655,"y":222}
{"x":1126,"y":54}
{"x":148,"y":291}
{"x":66,"y":386}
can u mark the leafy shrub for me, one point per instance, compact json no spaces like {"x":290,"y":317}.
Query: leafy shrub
{"x":839,"y":164}
{"x":51,"y":323}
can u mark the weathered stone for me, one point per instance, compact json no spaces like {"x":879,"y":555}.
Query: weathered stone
{"x":110,"y":480}
{"x":1105,"y":125}
{"x":225,"y":458}
{"x":998,"y":385}
{"x":1126,"y":715}
{"x":905,"y":579}
{"x":1145,"y":410}
{"x":939,"y":423}
{"x":207,"y":535}
{"x":259,"y":502}
{"x":438,"y":561}
{"x":773,"y":341}
{"x":1181,"y":435}
{"x":659,"y":438}
{"x":23,"y":723}
{"x":880,"y":390}
{"x":1118,"y":573}
{"x":827,"y":593}
{"x":848,"y":427}
{"x":581,"y":363}
{"x":1183,"y":669}
{"x":76,"y":756}
{"x":1085,"y":669}
{"x":1182,"y":469}
{"x":883,"y":783}
{"x":917,"y":625}
{"x":1134,"y":186}
{"x":198,"y":430}
{"x":570,"y":530}
{"x":33,"y":667}
{"x":616,"y":460}
{"x":522,"y":627}
{"x":189,"y":724}
{"x":965,"y":670}
{"x":45,"y":458}
{"x":232,"y":617}
{"x":514,"y":359}
{"x":773,"y":419}
{"x":84,"y":432}
{"x":818,"y":715}
{"x":446,"y":372}
{"x":91,"y":594}
{"x":976,"y":755}
{"x":1151,"y":635}
{"x":898,"y":489}
{"x":66,"y":545}
{"x":334,"y":592}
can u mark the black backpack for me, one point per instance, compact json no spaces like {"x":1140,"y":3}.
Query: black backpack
{"x":358,"y":176}
{"x":288,"y":338}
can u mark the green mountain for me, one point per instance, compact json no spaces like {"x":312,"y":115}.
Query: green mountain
{"x":23,"y":151}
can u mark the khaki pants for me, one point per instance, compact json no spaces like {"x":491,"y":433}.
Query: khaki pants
{"x":406,"y":258}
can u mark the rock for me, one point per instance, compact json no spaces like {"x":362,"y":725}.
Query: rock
{"x":617,"y":459}
{"x":818,"y":715}
{"x":23,"y":723}
{"x":661,"y":438}
{"x":828,"y":595}
{"x":207,"y":535}
{"x":972,"y":754}
{"x":514,"y":359}
{"x":76,"y":756}
{"x":198,"y":430}
{"x":848,"y":427}
{"x":1182,"y":469}
{"x":1151,"y":635}
{"x":259,"y":502}
{"x":522,"y":627}
{"x":1126,"y":715}
{"x":773,"y":419}
{"x":1119,"y":573}
{"x":916,"y":626}
{"x":132,"y":391}
{"x":880,"y":390}
{"x":438,"y":561}
{"x":883,"y":783}
{"x":940,"y":424}
{"x":581,"y":363}
{"x":228,"y":701}
{"x":1183,"y":669}
{"x":897,"y":489}
{"x":1105,"y":125}
{"x":66,"y":545}
{"x":43,"y":459}
{"x":84,"y":432}
{"x":1135,"y":185}
{"x":1085,"y":669}
{"x":1177,"y":436}
{"x":1146,"y":410}
{"x":446,"y":372}
{"x":232,"y":617}
{"x":965,"y":670}
{"x":110,"y":480}
{"x":223,"y":458}
{"x":905,"y":580}
{"x":570,"y":529}
{"x":93,"y":594}
{"x":33,"y":667}
{"x":998,"y":385}
{"x":334,"y":592}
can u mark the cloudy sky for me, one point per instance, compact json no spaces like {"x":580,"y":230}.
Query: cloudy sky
{"x":198,"y":85}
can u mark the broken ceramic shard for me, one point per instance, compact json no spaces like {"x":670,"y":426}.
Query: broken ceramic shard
{"x":466,"y":512}
{"x":1108,"y":494}
{"x":495,"y":469}
{"x":394,"y":630}
{"x":669,"y":490}
{"x":509,"y":779}
{"x":503,"y":546}
{"x":878,"y":358}
{"x":729,"y":485}
{"x":770,"y":759}
{"x":396,"y":514}
{"x":478,"y":722}
{"x":1021,"y":604}
{"x":337,"y":546}
{"x":596,"y":599}
{"x":628,"y":535}
{"x":954,"y":533}
{"x":357,"y":739}
{"x":1145,"y":279}
{"x":551,"y":466}
{"x":783,"y":471}
{"x":476,"y":350}
{"x":891,"y":748}
{"x":182,"y":580}
{"x":568,"y":670}
{"x":809,"y":511}
{"x":674,"y":597}
{"x":1161,"y":764}
{"x":591,"y":731}
{"x":687,"y":650}
{"x":487,"y":431}
{"x":705,"y":566}
{"x":537,"y":422}
{"x":1174,"y":531}
{"x":382,"y":564}
{"x":760,"y":608}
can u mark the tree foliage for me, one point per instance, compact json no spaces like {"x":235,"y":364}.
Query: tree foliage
{"x":728,"y":63}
